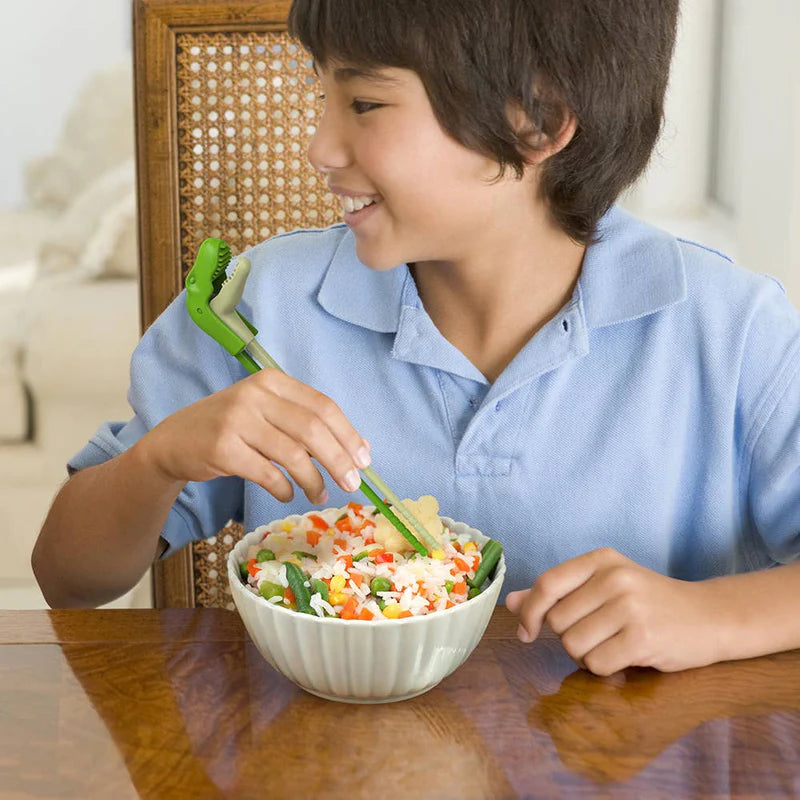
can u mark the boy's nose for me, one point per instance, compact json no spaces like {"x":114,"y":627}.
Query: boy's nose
{"x":328,"y":151}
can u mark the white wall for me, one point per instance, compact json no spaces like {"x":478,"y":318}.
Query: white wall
{"x":50,"y":47}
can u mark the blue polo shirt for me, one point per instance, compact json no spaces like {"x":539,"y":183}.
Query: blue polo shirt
{"x":657,"y":413}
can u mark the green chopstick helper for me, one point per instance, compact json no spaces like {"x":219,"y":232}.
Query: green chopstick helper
{"x":211,"y":300}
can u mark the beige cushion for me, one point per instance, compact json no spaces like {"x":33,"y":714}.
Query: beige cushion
{"x":97,"y":134}
{"x":96,"y":236}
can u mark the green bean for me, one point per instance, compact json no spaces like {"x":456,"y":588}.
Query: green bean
{"x":321,"y":588}
{"x":267,"y":589}
{"x":265,"y":555}
{"x":380,"y":585}
{"x":297,"y":583}
{"x":244,"y":571}
{"x":490,"y":555}
{"x":473,"y":592}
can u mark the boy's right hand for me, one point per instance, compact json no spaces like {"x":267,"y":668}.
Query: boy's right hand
{"x":264,"y":418}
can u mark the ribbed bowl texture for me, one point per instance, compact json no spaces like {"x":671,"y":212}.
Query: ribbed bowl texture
{"x":356,"y":661}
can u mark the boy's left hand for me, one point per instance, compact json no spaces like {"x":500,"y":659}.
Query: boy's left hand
{"x":612,"y":613}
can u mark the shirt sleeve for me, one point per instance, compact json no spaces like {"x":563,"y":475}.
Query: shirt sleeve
{"x":175,"y":364}
{"x":775,"y":471}
{"x":772,"y":441}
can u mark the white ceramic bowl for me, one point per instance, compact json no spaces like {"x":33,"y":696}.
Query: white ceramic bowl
{"x":356,"y":661}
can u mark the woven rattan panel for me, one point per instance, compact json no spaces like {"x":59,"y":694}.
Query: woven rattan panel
{"x":247,"y":108}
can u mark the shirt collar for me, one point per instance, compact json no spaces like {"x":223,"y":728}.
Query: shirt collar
{"x":631,"y":270}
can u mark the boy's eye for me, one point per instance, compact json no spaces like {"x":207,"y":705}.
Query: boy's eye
{"x":361,"y":106}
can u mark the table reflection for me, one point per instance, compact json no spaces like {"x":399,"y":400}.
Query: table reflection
{"x":739,"y":720}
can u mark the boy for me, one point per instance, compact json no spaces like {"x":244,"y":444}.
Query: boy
{"x":617,"y":407}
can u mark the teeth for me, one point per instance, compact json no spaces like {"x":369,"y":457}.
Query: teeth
{"x":351,"y":204}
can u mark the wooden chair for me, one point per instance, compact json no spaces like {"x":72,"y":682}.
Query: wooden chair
{"x":225,"y":108}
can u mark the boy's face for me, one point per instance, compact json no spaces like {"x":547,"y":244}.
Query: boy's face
{"x":378,"y":139}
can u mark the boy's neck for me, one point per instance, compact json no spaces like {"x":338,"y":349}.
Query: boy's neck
{"x":490,"y":304}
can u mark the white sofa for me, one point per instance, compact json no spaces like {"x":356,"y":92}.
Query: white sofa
{"x":69,"y":317}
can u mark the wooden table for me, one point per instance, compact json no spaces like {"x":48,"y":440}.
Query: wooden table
{"x":179,"y":704}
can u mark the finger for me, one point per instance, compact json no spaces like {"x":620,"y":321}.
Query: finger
{"x":324,"y":408}
{"x":611,"y":655}
{"x":592,"y":630}
{"x":301,"y":426}
{"x":273,"y":444}
{"x":514,"y":600}
{"x":254,"y":467}
{"x":556,"y":583}
{"x":579,"y":603}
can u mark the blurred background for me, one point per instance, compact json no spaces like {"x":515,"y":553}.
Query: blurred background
{"x":726,"y":173}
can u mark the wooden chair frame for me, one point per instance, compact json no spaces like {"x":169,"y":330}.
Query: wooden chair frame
{"x":156,"y":24}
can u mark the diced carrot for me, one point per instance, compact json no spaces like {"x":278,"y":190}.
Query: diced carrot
{"x":353,"y":506}
{"x":376,"y":551}
{"x":368,"y":523}
{"x":357,"y":578}
{"x":340,"y":543}
{"x":318,"y":522}
{"x":369,"y":539}
{"x":349,"y":610}
{"x":404,"y":614}
{"x":288,"y":594}
{"x":461,"y":564}
{"x":384,"y":558}
{"x":449,"y":604}
{"x":476,"y":560}
{"x":366,"y":614}
{"x":251,"y":567}
{"x":348,"y":561}
{"x":344,"y":524}
{"x":459,"y":588}
{"x":313,"y":537}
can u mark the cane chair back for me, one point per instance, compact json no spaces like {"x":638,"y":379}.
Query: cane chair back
{"x":226,"y":105}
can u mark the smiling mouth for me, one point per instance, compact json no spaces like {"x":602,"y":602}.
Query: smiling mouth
{"x":352,"y":204}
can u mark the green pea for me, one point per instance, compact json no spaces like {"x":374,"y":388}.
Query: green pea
{"x":449,"y":586}
{"x":265,"y":555}
{"x":361,"y":556}
{"x":381,"y":603}
{"x":268,"y":589}
{"x":380,"y":585}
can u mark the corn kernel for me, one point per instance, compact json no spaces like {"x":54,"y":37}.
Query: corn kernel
{"x":392,"y":611}
{"x":337,"y":599}
{"x":287,"y":526}
{"x":337,"y":583}
{"x":470,"y":546}
{"x":438,"y":555}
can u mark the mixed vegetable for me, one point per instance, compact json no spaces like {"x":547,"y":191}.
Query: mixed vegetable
{"x":351,"y":563}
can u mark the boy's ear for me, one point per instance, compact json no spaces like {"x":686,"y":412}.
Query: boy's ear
{"x":540,"y":146}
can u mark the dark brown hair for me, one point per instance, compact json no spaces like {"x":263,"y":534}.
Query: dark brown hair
{"x":604,"y":61}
